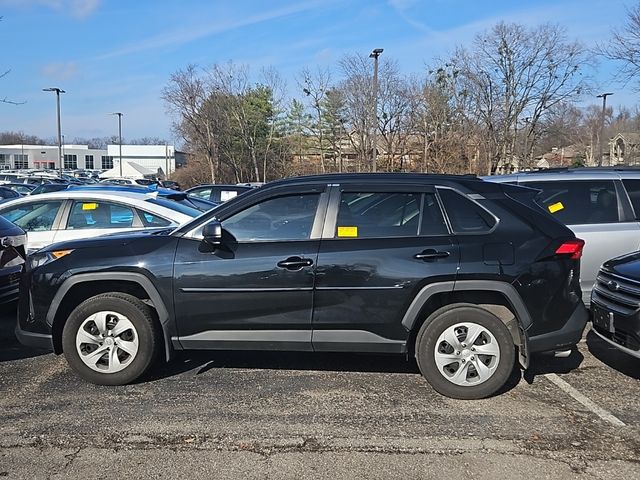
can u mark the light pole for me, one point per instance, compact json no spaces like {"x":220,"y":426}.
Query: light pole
{"x":119,"y":114}
{"x":374,"y":156}
{"x":58,"y":92}
{"x":603,"y":96}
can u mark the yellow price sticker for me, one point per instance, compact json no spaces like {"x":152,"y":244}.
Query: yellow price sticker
{"x":556,"y":207}
{"x":89,"y":206}
{"x":349,"y":232}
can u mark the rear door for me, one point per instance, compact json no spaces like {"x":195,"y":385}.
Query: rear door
{"x":380,"y":246}
{"x":598,"y":212}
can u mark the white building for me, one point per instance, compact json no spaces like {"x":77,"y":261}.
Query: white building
{"x":152,"y":157}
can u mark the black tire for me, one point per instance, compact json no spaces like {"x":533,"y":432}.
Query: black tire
{"x":148,"y":332}
{"x":447,"y":317}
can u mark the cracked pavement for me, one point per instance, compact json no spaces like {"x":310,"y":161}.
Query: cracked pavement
{"x":291,"y":415}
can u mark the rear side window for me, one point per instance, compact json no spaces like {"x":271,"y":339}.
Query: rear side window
{"x":633,"y":189}
{"x":152,"y":220}
{"x":384,"y":214}
{"x":579,"y":202}
{"x":465,"y":215}
{"x":97,"y":214}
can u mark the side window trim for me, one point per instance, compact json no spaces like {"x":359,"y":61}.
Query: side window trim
{"x":468,"y":197}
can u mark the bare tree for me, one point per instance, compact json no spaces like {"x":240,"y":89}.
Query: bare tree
{"x":514,"y":72}
{"x":315,"y":87}
{"x":394,"y":107}
{"x":356,"y":88}
{"x":624,"y":47}
{"x":187,"y":97}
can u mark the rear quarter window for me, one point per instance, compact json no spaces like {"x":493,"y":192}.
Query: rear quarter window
{"x":465,"y":215}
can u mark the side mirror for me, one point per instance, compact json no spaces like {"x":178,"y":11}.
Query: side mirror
{"x":212,"y":233}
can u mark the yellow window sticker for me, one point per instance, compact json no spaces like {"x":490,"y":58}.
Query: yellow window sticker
{"x":348,"y":232}
{"x":556,"y":207}
{"x":89,"y":206}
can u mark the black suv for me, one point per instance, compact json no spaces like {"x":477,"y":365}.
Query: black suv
{"x":13,"y":243}
{"x":615,"y":303}
{"x":462,"y":273}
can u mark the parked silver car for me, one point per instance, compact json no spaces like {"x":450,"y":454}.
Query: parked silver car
{"x":600,"y":205}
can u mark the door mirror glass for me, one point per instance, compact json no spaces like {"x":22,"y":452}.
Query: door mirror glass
{"x":212,"y":233}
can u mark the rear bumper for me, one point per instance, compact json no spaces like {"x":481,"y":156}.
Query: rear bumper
{"x":568,"y":336}
{"x":42,"y":341}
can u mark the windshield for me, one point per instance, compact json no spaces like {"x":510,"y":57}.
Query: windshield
{"x":178,"y":207}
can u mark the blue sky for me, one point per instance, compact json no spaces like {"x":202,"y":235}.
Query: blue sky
{"x":117,"y":55}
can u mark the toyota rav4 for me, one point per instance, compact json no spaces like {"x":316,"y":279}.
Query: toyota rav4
{"x":463,"y":274}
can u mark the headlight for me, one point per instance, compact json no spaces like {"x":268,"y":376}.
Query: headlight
{"x":39,"y":259}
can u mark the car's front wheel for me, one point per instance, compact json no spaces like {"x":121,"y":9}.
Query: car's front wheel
{"x":111,"y":339}
{"x":465,"y":352}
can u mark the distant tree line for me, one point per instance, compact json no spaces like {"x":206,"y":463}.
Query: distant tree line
{"x":507,"y":97}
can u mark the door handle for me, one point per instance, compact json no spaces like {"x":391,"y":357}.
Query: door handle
{"x":430,"y":254}
{"x":295,"y":263}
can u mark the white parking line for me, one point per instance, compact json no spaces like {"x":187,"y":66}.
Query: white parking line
{"x":599,"y":411}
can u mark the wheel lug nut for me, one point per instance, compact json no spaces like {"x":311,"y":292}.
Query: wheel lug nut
{"x":457,"y":353}
{"x":472,"y":357}
{"x":473,"y":349}
{"x":463,"y":360}
{"x":464,"y":344}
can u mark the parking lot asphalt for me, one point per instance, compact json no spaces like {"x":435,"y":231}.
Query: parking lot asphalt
{"x":286,"y":415}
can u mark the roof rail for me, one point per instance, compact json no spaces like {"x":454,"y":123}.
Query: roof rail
{"x":618,"y":168}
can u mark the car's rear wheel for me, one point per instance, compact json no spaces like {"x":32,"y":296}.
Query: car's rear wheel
{"x":111,"y":339}
{"x":465,"y":352}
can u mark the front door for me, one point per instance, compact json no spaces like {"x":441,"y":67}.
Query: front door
{"x":379,"y":248}
{"x":256,"y":289}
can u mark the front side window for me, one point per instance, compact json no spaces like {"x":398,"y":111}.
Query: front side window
{"x":579,"y":202}
{"x":465,"y":215}
{"x":98,"y":214}
{"x":34,"y":216}
{"x":384,"y":214}
{"x":283,"y":218}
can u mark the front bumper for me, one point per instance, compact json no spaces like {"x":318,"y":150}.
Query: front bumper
{"x":567,"y":337}
{"x":42,"y":341}
{"x":620,"y":330}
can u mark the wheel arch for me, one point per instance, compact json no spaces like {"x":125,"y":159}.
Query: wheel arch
{"x":498,"y":298}
{"x":74,"y":290}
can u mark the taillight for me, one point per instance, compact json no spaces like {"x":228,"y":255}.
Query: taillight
{"x":572,"y":248}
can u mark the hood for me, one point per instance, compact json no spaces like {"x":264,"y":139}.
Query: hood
{"x":112,"y":240}
{"x":626,"y":266}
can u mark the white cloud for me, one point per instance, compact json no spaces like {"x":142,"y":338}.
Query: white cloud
{"x":76,"y":8}
{"x":60,"y":71}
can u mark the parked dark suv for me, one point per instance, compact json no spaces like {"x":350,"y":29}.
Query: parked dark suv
{"x":463,"y":274}
{"x":13,"y":243}
{"x":615,"y":303}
